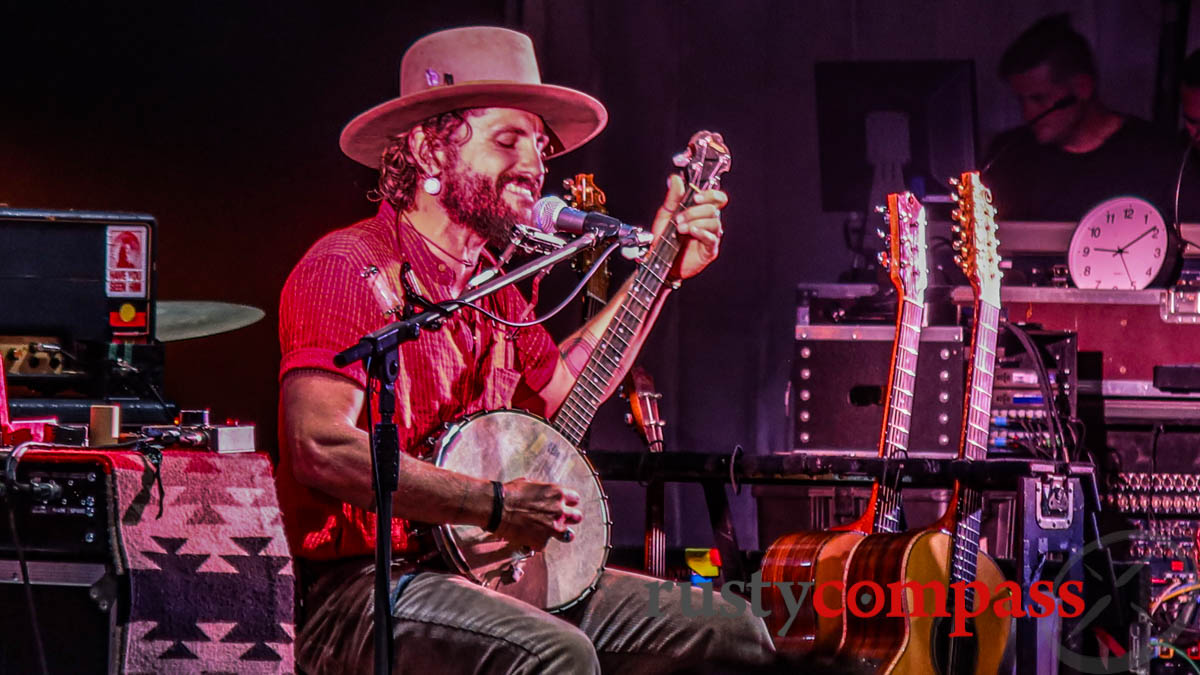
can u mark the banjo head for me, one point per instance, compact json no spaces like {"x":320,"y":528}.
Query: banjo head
{"x":505,"y":445}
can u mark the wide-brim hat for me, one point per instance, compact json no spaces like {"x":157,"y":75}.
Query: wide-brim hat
{"x":473,"y":67}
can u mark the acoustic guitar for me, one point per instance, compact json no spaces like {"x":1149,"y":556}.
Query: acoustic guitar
{"x":914,"y":640}
{"x":820,"y":557}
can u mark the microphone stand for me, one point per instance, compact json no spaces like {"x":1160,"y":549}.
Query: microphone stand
{"x":378,"y":351}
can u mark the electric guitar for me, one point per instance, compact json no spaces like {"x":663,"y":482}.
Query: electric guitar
{"x":948,"y":551}
{"x":644,"y":413}
{"x":821,"y":556}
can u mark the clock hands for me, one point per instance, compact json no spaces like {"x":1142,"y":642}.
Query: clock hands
{"x":1138,"y":238}
{"x":1121,"y":251}
{"x":1131,"y":282}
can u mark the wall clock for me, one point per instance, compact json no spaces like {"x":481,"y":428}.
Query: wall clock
{"x":1123,"y":243}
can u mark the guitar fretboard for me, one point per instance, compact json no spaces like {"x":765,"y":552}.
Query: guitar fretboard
{"x":604,"y":364}
{"x":974,"y":444}
{"x":899,"y":406}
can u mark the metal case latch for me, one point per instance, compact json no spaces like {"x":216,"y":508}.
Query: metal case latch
{"x":1055,"y":504}
{"x":1179,"y":305}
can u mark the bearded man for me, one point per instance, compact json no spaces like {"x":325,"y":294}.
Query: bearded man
{"x":460,"y":154}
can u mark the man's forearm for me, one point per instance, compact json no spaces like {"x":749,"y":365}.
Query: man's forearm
{"x":578,"y":348}
{"x":338,"y":462}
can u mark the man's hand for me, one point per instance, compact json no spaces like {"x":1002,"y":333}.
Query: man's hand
{"x":536,"y":512}
{"x":699,"y":226}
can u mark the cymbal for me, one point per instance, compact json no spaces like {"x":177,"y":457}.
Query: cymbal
{"x":186,"y":319}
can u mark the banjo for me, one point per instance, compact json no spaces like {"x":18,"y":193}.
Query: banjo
{"x":508,"y":444}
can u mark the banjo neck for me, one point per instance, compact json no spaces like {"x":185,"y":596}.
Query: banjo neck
{"x":706,"y":159}
{"x":604,"y":365}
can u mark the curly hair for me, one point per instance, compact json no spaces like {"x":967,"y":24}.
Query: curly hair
{"x":399,"y":171}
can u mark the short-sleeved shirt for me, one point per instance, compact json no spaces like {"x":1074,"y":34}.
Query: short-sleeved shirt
{"x":1033,"y":181}
{"x":348,"y":284}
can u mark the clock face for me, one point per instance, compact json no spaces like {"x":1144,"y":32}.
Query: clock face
{"x":1122,"y":243}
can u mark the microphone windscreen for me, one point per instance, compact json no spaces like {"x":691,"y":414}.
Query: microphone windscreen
{"x":545,"y":213}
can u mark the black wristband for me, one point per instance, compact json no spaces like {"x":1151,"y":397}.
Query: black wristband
{"x":493,"y":523}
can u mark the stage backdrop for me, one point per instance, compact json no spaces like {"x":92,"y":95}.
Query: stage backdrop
{"x":222,"y":118}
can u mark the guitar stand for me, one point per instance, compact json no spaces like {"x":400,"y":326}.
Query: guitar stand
{"x":1052,"y":514}
{"x":733,"y":567}
{"x":720,"y":519}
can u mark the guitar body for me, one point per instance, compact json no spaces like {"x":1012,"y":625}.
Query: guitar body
{"x":873,"y":642}
{"x":929,"y":561}
{"x":906,"y":645}
{"x":801,"y":557}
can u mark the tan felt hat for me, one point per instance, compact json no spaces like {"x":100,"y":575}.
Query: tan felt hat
{"x":473,"y":67}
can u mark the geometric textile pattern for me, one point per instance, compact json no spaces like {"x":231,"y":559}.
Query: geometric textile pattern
{"x":211,"y":583}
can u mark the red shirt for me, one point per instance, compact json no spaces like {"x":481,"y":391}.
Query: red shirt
{"x":347,"y":285}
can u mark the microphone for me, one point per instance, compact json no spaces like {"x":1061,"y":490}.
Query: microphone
{"x":551,"y":214}
{"x":1064,"y":102}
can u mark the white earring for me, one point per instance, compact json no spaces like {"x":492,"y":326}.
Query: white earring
{"x":432,"y":185}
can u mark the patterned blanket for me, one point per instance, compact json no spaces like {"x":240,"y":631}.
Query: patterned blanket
{"x":211,"y":584}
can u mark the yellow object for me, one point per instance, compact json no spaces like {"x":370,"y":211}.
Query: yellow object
{"x":699,"y":560}
{"x":127,"y":312}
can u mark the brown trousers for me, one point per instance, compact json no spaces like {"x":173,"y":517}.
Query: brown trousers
{"x":446,"y":624}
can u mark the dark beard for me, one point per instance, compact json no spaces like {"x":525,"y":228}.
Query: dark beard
{"x":473,"y":201}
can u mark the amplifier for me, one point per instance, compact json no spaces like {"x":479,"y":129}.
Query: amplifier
{"x":839,"y":382}
{"x":83,"y":275}
{"x":78,"y":615}
{"x":73,"y":570}
{"x":79,"y":291}
{"x":76,"y":525}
